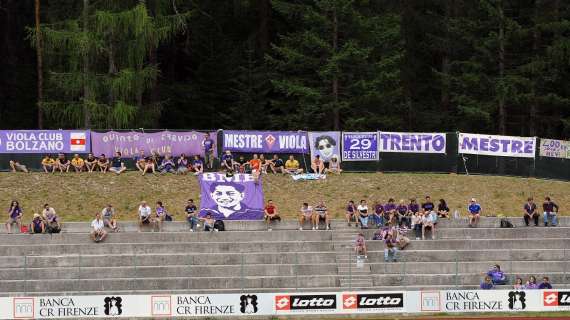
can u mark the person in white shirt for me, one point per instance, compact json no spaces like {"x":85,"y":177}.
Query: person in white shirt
{"x":429,"y":220}
{"x":306,"y":215}
{"x":363,"y":214}
{"x":98,"y":233}
{"x":144,"y":214}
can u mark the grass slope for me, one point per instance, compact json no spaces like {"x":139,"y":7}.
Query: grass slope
{"x":76,"y":197}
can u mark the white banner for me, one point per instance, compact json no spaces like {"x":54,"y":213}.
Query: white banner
{"x":276,"y":304}
{"x":411,"y":142}
{"x":555,"y":148}
{"x":506,"y":146}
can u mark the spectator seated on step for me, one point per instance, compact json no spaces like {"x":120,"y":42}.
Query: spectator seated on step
{"x":53,"y":225}
{"x":208,"y":222}
{"x":144,"y":214}
{"x":429,"y":221}
{"x":390,"y":249}
{"x":404,"y":215}
{"x":363,"y":214}
{"x":117,"y":164}
{"x":545,"y":284}
{"x":160,"y":215}
{"x":192,"y":215}
{"x":47,"y":163}
{"x":400,"y":235}
{"x":90,"y":162}
{"x":167,"y":164}
{"x":474,"y":212}
{"x":428,"y":205}
{"x":306,"y":215}
{"x":417,"y":225}
{"x":271,"y":214}
{"x":321,"y":214}
{"x":390,"y":210}
{"x":443,"y":209}
{"x":531,"y":283}
{"x":550,"y":210}
{"x":18,"y":167}
{"x":519,"y":285}
{"x":15,"y":214}
{"x":292,"y":166}
{"x":497,"y":276}
{"x":487,"y":284}
{"x":38,"y":225}
{"x":378,"y":215}
{"x":109,"y":218}
{"x":77,"y":163}
{"x":360,"y":246}
{"x":98,"y":232}
{"x":350,"y":213}
{"x":530,"y":211}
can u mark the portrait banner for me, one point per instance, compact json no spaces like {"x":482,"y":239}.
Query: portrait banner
{"x":44,"y":141}
{"x":266,"y":141}
{"x":555,"y":148}
{"x":412,"y":142}
{"x":163,"y":142}
{"x":237,"y":197}
{"x":360,"y":146}
{"x":326,"y":144}
{"x":491,"y":145}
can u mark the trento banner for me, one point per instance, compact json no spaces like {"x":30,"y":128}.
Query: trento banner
{"x":283,"y":304}
{"x":326,"y":144}
{"x":237,"y":197}
{"x":506,"y":146}
{"x":130,"y":143}
{"x":360,"y":146}
{"x":411,"y":142}
{"x":266,"y":141}
{"x":44,"y":141}
{"x":555,"y":148}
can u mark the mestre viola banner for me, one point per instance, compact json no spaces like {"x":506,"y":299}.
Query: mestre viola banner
{"x":505,"y":146}
{"x":411,"y":142}
{"x":266,"y":141}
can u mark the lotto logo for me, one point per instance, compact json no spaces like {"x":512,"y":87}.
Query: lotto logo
{"x":349,"y":301}
{"x":282,"y":303}
{"x":305,"y":302}
{"x":23,"y":308}
{"x":550,"y":298}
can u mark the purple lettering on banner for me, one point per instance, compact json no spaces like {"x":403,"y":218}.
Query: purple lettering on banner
{"x":266,"y":141}
{"x":361,"y":146}
{"x":554,"y":148}
{"x":506,"y":146}
{"x":410,"y":142}
{"x":231,"y":198}
{"x":45,"y":141}
{"x":130,"y":143}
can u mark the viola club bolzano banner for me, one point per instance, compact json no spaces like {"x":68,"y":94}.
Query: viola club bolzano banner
{"x":266,"y":141}
{"x":283,"y":304}
{"x":130,"y":143}
{"x":506,"y":146}
{"x":360,"y":146}
{"x":44,"y":141}
{"x":237,"y":197}
{"x":326,"y":144}
{"x":555,"y":148}
{"x":409,"y":142}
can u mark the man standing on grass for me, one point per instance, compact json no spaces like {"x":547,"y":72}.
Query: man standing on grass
{"x":208,"y":146}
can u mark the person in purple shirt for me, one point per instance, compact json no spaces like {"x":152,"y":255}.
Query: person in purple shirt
{"x":487,"y":284}
{"x":390,"y":210}
{"x":531,"y":283}
{"x":475,"y":211}
{"x":14,"y":216}
{"x":377,"y":215}
{"x":545,"y":284}
{"x":160,"y":215}
{"x":404,"y":215}
{"x":228,"y":161}
{"x":413,"y":206}
{"x":350,"y":211}
{"x":208,"y":146}
{"x":428,"y":206}
{"x":167,"y":165}
{"x":497,"y":276}
{"x":197,"y":165}
{"x":550,"y":210}
{"x":530,"y":212}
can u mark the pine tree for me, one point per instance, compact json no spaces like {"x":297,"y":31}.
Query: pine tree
{"x":99,"y":64}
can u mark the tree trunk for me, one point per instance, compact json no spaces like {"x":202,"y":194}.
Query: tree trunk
{"x":336,"y":111}
{"x":501,"y":96}
{"x":263,"y":29}
{"x":86,"y":93}
{"x":445,"y":65}
{"x":534,"y":102}
{"x":39,"y":66}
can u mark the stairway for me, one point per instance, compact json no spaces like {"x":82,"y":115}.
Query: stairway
{"x":351,"y":276}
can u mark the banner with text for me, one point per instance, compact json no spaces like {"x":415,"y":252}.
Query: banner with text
{"x":326,"y":144}
{"x":555,"y":148}
{"x":505,"y":146}
{"x":237,"y":197}
{"x":44,"y":141}
{"x":130,"y":143}
{"x":360,"y":146}
{"x":480,"y":301}
{"x":411,"y":142}
{"x":266,"y":141}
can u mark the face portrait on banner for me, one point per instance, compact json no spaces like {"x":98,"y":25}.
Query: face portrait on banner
{"x":234,"y":198}
{"x":325,"y":144}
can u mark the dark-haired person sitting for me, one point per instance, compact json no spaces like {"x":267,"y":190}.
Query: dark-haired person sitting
{"x":333,"y":166}
{"x":545,"y":284}
{"x":228,"y":162}
{"x":442,"y":209}
{"x":321,"y":213}
{"x":90,"y":162}
{"x":497,"y":276}
{"x":18,"y":167}
{"x":149,"y":166}
{"x":182,"y":165}
{"x":98,"y":233}
{"x":277,"y":165}
{"x":271,"y":214}
{"x":167,"y":164}
{"x":487,"y":284}
{"x":37,"y":225}
{"x":103,"y":163}
{"x":140,"y":161}
{"x":191,"y":215}
{"x":209,"y":222}
{"x":47,"y":163}
{"x":306,"y":215}
{"x":62,"y":163}
{"x":550,"y":211}
{"x":317,"y":165}
{"x":530,"y":211}
{"x":52,"y":221}
{"x":144,"y":214}
{"x":197,"y":165}
{"x":117,"y":164}
{"x":475,"y":212}
{"x":77,"y":163}
{"x":109,"y":218}
{"x":15,"y":214}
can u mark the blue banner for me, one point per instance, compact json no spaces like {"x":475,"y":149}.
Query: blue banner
{"x":360,"y":146}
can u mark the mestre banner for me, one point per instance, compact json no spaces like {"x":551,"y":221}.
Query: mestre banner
{"x":266,"y":141}
{"x":411,"y":142}
{"x":283,"y":304}
{"x":506,"y":146}
{"x":44,"y":141}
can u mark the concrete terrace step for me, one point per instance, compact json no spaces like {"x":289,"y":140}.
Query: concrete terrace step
{"x":466,"y":255}
{"x":460,"y":279}
{"x":509,"y":267}
{"x":292,"y":224}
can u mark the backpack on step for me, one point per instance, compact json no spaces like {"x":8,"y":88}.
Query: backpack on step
{"x":505,"y":223}
{"x":219,"y":225}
